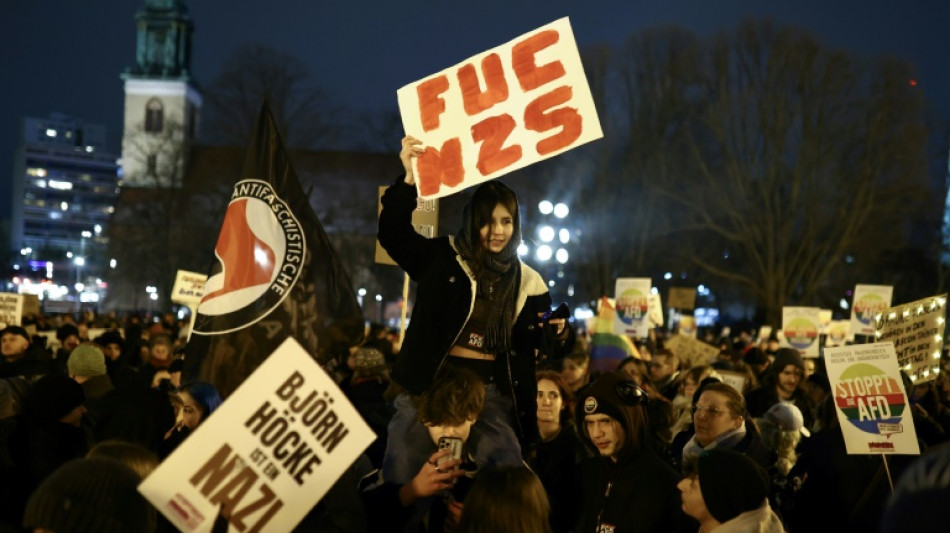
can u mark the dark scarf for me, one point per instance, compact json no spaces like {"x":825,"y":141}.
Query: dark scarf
{"x":496,"y":279}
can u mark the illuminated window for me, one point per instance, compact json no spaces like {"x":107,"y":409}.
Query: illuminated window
{"x":38,"y":172}
{"x":61,"y":185}
{"x":154,"y":116}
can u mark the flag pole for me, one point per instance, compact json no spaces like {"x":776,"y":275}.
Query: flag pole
{"x":405,"y":305}
{"x":888,"y":470}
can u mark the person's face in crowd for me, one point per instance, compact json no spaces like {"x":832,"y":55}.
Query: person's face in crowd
{"x":161,"y":351}
{"x":112,"y":351}
{"x":496,"y":234}
{"x":606,"y":434}
{"x":550,"y":402}
{"x":70,"y":342}
{"x":461,"y":431}
{"x":83,"y":331}
{"x":712,"y":417}
{"x":689,"y":387}
{"x":573,"y":372}
{"x":809,"y":368}
{"x":660,"y":368}
{"x":771,"y":346}
{"x":633,"y":371}
{"x":788,"y":380}
{"x":13,"y":346}
{"x":74,"y":417}
{"x":693,"y":503}
{"x":191,"y":414}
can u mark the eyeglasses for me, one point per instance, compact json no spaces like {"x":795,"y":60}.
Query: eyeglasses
{"x":711,"y":411}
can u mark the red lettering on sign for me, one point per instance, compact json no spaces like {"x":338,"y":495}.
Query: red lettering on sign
{"x":492,"y":133}
{"x":440,"y":166}
{"x":474,"y":99}
{"x":537,"y":117}
{"x":431,"y":106}
{"x":530,"y":75}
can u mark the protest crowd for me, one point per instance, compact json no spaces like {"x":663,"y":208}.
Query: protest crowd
{"x":495,"y":412}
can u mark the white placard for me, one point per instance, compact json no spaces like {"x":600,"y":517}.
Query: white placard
{"x":11,"y":309}
{"x":916,"y":330}
{"x":632,"y":298}
{"x":500,"y":110}
{"x":868,"y":301}
{"x":270,"y":452}
{"x":869,"y":396}
{"x":655,"y":310}
{"x":189,"y":288}
{"x":800,"y":326}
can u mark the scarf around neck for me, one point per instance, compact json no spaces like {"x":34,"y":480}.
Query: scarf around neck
{"x":727,"y":440}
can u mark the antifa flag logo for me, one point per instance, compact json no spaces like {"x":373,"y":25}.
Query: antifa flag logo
{"x":259,"y":256}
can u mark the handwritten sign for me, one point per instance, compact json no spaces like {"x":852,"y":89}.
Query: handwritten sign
{"x":869,"y":397}
{"x":869,"y":300}
{"x":681,"y":298}
{"x":916,"y":330}
{"x":691,"y":350}
{"x":268,"y":454}
{"x":189,"y":288}
{"x":501,"y":110}
{"x":11,"y":309}
{"x":425,"y":220}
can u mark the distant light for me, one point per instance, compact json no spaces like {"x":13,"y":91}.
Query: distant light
{"x":546,"y":233}
{"x":26,"y":251}
{"x":545,"y":207}
{"x":654,"y":290}
{"x":668,"y":275}
{"x":61,"y":185}
{"x":153,"y":296}
{"x":522,"y":249}
{"x":16,"y":267}
{"x":79,"y":261}
{"x":561,"y":210}
{"x":551,"y":283}
{"x":79,"y":287}
{"x":543,"y":253}
{"x":844,"y":304}
{"x":112,"y":263}
{"x":50,"y":132}
{"x":97,"y":228}
{"x":86,"y":234}
{"x":379,"y":297}
{"x":69,"y":255}
{"x":40,"y":183}
{"x":583,"y":313}
{"x":151,"y":289}
{"x":561,"y":255}
{"x":564,"y":235}
{"x":64,"y":206}
{"x":361,"y":292}
{"x":90,"y":149}
{"x":912,"y":82}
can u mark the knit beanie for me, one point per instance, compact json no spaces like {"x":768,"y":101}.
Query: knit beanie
{"x":54,"y":396}
{"x":785,"y":357}
{"x":610,"y":394}
{"x":86,"y":360}
{"x":110,"y":337}
{"x":731,"y":483}
{"x":92,"y":494}
{"x":16,"y":330}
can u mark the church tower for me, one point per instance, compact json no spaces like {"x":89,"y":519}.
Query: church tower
{"x":161,"y":102}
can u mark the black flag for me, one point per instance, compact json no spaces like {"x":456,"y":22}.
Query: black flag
{"x":275,"y":275}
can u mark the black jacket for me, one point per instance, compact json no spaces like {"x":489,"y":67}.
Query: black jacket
{"x":444,"y":299}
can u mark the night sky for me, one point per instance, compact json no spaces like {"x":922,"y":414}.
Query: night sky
{"x":66,"y":56}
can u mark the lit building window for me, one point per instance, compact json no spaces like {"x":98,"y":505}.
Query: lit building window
{"x":38,"y":172}
{"x":61,"y":185}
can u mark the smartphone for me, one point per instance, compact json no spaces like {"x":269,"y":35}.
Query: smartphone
{"x":454,"y":444}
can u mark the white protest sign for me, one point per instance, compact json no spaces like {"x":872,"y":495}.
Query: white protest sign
{"x":824,"y":321}
{"x":764,"y":333}
{"x":800,"y":326}
{"x":500,"y":110}
{"x":632,"y":298}
{"x":655,"y":310}
{"x":838,"y":333}
{"x":268,"y":453}
{"x":916,"y":329}
{"x":872,"y":406}
{"x":11,"y":309}
{"x":736,"y":380}
{"x":189,"y":288}
{"x":868,"y":301}
{"x":691,"y":350}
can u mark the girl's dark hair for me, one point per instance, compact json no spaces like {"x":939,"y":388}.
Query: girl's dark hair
{"x":483,"y":202}
{"x":456,"y":395}
{"x":509,"y":499}
{"x":567,"y":395}
{"x":205,"y":395}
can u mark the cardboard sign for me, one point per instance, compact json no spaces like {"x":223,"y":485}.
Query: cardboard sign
{"x":800,"y":326}
{"x":916,"y":330}
{"x":824,"y":321}
{"x":839,"y":333}
{"x":764,"y":333}
{"x":682,"y":298}
{"x":735,"y":380}
{"x":31,"y":304}
{"x":11,"y":309}
{"x":687,"y":326}
{"x":189,"y":288}
{"x":425,"y":220}
{"x":872,"y":406}
{"x":501,"y":110}
{"x":655,"y":310}
{"x":692,"y":351}
{"x":868,"y":301}
{"x":268,"y":453}
{"x":631,"y":316}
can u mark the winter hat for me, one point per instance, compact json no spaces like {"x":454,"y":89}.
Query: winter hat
{"x":65,"y":331}
{"x":731,"y":483}
{"x":86,"y":360}
{"x":110,"y":337}
{"x":16,"y":330}
{"x":785,"y":357}
{"x":53,"y":396}
{"x":92,"y":494}
{"x":610,"y":394}
{"x":788,"y":417}
{"x":919,"y":502}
